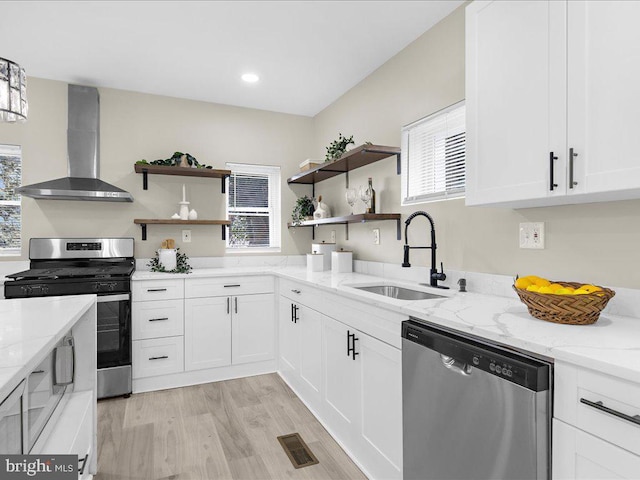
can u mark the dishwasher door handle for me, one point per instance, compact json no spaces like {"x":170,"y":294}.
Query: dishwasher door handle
{"x":456,"y":365}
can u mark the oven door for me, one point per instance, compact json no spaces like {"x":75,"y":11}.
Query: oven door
{"x":114,"y":330}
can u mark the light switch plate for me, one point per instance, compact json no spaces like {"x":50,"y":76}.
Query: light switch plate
{"x":532,"y":235}
{"x":186,"y":236}
{"x":376,"y":236}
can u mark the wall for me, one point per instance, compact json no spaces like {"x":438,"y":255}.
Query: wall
{"x":136,"y":126}
{"x":596,"y":243}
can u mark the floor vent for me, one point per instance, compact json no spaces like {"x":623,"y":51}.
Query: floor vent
{"x":297,"y":450}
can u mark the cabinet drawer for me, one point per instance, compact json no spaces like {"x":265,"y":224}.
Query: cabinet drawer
{"x":301,"y":293}
{"x":83,"y":443}
{"x":162,"y":318}
{"x":227,"y":286}
{"x":165,"y":289}
{"x":575,"y":385}
{"x":158,"y":356}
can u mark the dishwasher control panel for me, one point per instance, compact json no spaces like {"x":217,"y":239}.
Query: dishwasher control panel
{"x":467,"y":353}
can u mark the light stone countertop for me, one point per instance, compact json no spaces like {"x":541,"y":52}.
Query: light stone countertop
{"x":29,"y":328}
{"x":611,"y":345}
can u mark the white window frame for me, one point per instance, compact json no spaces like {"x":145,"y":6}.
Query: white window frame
{"x":407,"y":158}
{"x":15,"y":150}
{"x":273,"y":210}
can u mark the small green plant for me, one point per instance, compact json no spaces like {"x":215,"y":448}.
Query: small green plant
{"x":174,"y":161}
{"x":337,"y":148}
{"x":303,"y":208}
{"x":182,"y":264}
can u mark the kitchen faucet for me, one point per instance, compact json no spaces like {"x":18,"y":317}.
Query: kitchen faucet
{"x":434,"y":275}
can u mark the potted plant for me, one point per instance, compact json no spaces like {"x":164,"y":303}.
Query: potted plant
{"x":337,"y":148}
{"x":303,"y":210}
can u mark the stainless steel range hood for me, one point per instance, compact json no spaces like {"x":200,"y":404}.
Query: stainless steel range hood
{"x":83,"y":150}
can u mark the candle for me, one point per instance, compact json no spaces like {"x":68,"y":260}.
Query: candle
{"x":184,"y":194}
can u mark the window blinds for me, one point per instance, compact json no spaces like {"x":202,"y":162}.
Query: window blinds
{"x":433,"y":157}
{"x":253,"y":207}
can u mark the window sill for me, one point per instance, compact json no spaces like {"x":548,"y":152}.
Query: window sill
{"x":249,"y":251}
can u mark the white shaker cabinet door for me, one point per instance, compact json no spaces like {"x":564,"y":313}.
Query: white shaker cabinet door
{"x":604,"y":98}
{"x":578,"y":455}
{"x":289,"y":340}
{"x":515,"y":100}
{"x":381,"y":406}
{"x":310,"y":326}
{"x":207,"y":332}
{"x":341,"y":380}
{"x":253,"y":328}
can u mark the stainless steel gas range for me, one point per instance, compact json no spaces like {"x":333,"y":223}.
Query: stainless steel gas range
{"x":76,"y":266}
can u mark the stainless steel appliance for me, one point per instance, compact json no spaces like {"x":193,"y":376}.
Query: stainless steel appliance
{"x":472,"y":410}
{"x":75,"y":266}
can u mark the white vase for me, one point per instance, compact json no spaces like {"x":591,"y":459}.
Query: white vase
{"x":184,"y":210}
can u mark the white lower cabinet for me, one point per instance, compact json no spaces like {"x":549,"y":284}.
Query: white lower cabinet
{"x":301,"y":350}
{"x":350,"y":379}
{"x":252,"y":329}
{"x":221,"y":331}
{"x":207,"y":332}
{"x":581,"y":456}
{"x":157,"y":356}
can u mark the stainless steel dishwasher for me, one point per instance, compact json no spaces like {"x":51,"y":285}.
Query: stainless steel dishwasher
{"x":472,"y":410}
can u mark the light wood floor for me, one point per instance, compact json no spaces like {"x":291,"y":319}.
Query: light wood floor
{"x":222,"y":430}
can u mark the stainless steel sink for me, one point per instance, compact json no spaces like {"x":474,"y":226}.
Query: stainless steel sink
{"x":400,"y":293}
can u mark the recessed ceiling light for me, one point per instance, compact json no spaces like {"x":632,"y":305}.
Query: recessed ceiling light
{"x":250,"y":77}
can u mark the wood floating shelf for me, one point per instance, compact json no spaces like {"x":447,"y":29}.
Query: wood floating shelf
{"x":354,"y":158}
{"x":146,"y":170}
{"x":143,"y":222}
{"x":346,"y":220}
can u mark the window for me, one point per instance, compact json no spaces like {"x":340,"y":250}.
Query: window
{"x":433,"y":157}
{"x":254,"y":207}
{"x":10,"y":215}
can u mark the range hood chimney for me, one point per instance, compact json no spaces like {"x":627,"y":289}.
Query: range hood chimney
{"x":83,"y":152}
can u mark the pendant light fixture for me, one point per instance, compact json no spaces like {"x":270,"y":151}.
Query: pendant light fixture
{"x":13,"y":92}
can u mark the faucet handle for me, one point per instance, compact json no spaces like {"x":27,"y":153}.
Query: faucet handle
{"x":440,"y":276}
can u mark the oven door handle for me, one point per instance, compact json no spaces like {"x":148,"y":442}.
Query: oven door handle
{"x":113,"y":298}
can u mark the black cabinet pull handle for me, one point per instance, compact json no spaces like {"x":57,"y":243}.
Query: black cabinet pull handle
{"x":296,"y":291}
{"x":158,"y":319}
{"x":351,"y":346}
{"x":552,"y":157}
{"x":159,"y":358}
{"x":572,"y":154}
{"x":156,"y":289}
{"x":292,"y":312}
{"x":37,"y":371}
{"x":600,"y":406}
{"x":228,"y":305}
{"x":236,"y":303}
{"x":231,"y":286}
{"x":83,"y":462}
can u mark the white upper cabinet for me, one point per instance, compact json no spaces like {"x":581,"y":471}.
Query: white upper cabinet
{"x":604,"y":96}
{"x":545,"y":79}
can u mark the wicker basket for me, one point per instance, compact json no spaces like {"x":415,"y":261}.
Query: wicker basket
{"x":566,"y":309}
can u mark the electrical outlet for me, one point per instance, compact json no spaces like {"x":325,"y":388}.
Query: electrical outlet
{"x":333,"y":236}
{"x":186,"y":236}
{"x":376,"y":236}
{"x":532,"y":235}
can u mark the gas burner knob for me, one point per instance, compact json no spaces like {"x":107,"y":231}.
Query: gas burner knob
{"x":26,"y":289}
{"x":45,"y":288}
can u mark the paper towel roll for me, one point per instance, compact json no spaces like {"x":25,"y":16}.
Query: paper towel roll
{"x":167,"y":258}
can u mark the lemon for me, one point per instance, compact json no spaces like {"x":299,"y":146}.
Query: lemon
{"x":545,"y":289}
{"x":542,"y":282}
{"x":580,"y":291}
{"x":523,"y":283}
{"x":563,"y":291}
{"x":533,"y":288}
{"x":591,"y":288}
{"x":555,"y":286}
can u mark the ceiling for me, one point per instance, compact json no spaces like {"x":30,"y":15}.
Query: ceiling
{"x":307,"y":53}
